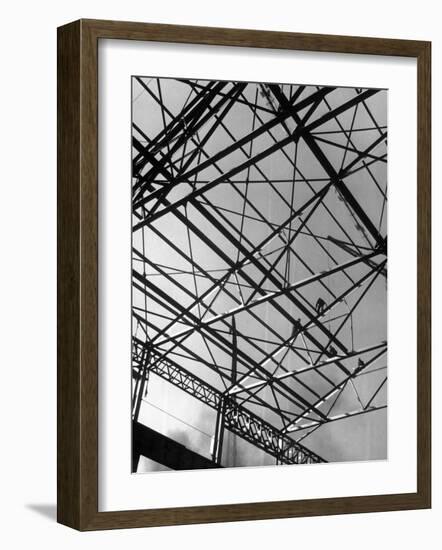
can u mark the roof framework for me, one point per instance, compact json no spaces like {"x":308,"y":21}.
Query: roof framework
{"x":260,"y":255}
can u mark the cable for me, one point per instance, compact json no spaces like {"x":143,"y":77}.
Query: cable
{"x":176,"y":418}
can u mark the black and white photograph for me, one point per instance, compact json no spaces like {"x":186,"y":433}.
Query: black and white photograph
{"x":259,"y":274}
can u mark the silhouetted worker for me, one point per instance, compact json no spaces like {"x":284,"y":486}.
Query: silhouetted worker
{"x":320,"y":305}
{"x":297,"y":326}
{"x":331,"y":351}
{"x":361,"y":363}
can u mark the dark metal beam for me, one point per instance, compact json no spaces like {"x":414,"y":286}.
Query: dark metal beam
{"x":164,"y":450}
{"x":336,"y":178}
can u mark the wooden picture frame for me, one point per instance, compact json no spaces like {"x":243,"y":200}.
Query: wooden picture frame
{"x":77,"y":461}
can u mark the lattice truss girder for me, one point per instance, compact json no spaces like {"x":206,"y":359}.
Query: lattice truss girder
{"x":259,"y":253}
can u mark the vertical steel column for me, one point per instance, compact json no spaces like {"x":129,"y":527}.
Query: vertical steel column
{"x":140,"y":387}
{"x":217,"y":450}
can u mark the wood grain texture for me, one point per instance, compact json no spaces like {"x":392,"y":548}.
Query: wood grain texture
{"x":252,"y":38}
{"x":77,"y":224}
{"x":424,"y":273}
{"x":68,"y":276}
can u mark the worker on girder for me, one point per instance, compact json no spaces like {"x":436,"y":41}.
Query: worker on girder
{"x":320,"y":306}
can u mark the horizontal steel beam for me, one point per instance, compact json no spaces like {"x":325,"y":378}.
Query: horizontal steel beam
{"x":238,"y":419}
{"x":164,"y":450}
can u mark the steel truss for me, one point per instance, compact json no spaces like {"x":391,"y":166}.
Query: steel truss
{"x":259,"y":253}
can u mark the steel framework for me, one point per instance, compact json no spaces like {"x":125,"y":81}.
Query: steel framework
{"x":259,"y":259}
